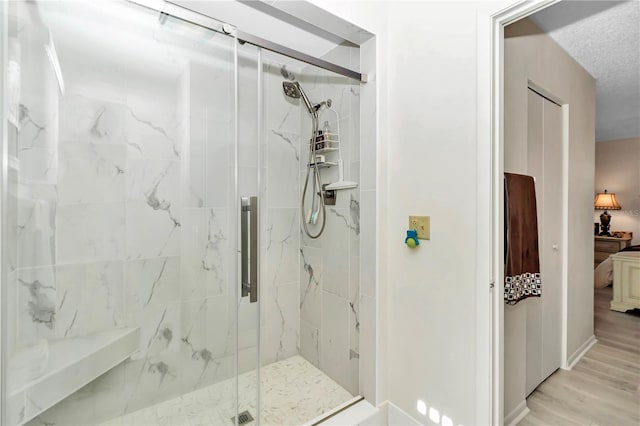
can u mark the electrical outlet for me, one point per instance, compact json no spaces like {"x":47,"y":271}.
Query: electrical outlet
{"x":422,"y":224}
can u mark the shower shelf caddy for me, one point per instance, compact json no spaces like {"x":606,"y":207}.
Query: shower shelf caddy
{"x":333,"y":142}
{"x":331,"y":139}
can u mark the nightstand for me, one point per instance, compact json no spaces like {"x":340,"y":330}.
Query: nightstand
{"x":606,"y":246}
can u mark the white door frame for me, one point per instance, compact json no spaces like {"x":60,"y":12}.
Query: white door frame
{"x":490,"y":109}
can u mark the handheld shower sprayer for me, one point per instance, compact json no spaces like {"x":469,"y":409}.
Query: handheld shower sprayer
{"x":293,"y":90}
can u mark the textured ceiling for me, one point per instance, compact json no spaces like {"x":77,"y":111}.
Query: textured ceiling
{"x":604,"y":37}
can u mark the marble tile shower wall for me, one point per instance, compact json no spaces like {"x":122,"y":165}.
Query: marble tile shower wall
{"x":330,"y":265}
{"x":280,"y":322}
{"x":123,"y":220}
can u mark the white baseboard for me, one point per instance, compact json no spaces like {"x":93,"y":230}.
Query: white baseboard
{"x":578,"y":354}
{"x":518,"y":413}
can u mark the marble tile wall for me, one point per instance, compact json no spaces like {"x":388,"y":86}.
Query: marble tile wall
{"x":130,"y":225}
{"x":280,"y":329}
{"x":330,"y":293}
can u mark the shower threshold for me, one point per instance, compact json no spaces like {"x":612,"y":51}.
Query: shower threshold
{"x":293,"y":392}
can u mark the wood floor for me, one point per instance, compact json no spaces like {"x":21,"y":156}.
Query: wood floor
{"x":604,"y":387}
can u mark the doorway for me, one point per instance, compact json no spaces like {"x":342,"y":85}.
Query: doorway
{"x":577,"y":291}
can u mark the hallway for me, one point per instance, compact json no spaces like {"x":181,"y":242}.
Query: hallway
{"x":604,"y":387}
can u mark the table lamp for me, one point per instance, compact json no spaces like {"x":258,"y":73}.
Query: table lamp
{"x":605,"y":201}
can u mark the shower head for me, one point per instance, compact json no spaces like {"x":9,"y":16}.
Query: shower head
{"x":293,"y":90}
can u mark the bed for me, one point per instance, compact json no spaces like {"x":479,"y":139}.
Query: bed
{"x":626,"y":279}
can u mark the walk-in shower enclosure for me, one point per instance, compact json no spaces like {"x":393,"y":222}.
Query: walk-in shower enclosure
{"x":153,"y":265}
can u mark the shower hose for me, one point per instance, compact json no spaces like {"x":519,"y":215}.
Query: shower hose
{"x":318,"y":182}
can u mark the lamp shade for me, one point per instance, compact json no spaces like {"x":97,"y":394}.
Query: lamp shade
{"x":606,"y":201}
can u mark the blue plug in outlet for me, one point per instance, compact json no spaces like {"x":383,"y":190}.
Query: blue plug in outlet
{"x":412,"y":238}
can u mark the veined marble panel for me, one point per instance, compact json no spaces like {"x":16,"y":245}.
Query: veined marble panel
{"x":153,"y":209}
{"x":335,"y":252}
{"x":153,"y":229}
{"x":35,"y":231}
{"x":16,"y":408}
{"x":151,"y":130}
{"x":156,"y":181}
{"x":205,"y":247}
{"x":159,"y":329}
{"x":353,"y":377}
{"x":38,"y":165}
{"x":91,"y":173}
{"x":35,"y":126}
{"x":109,"y":394}
{"x":311,"y":285}
{"x":282,"y":246}
{"x":354,"y":283}
{"x":151,"y":379}
{"x":90,"y":120}
{"x":248,"y":107}
{"x":208,"y":161}
{"x":280,"y":337}
{"x":310,"y":342}
{"x":207,"y":335}
{"x":334,"y":339}
{"x":90,"y":232}
{"x":354,"y":307}
{"x":153,"y":281}
{"x":89,"y":298}
{"x":211,"y":86}
{"x":283,"y":156}
{"x":36,"y":304}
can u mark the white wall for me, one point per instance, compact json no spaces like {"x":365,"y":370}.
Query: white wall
{"x":618,"y":171}
{"x":531,"y":55}
{"x":428,"y":91}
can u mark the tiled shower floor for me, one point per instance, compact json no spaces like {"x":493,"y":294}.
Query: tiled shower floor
{"x":293,"y":392}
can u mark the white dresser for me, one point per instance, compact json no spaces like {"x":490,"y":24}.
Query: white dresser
{"x":626,"y":281}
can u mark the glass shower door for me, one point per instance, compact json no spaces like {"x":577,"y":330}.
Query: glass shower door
{"x":123,"y":217}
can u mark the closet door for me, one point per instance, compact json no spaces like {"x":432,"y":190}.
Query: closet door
{"x":544,"y":162}
{"x":535,"y":138}
{"x":551,"y":252}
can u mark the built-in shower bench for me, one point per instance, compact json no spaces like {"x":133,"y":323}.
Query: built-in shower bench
{"x":73,"y":362}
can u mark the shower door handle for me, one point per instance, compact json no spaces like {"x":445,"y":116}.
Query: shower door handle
{"x":249,"y":247}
